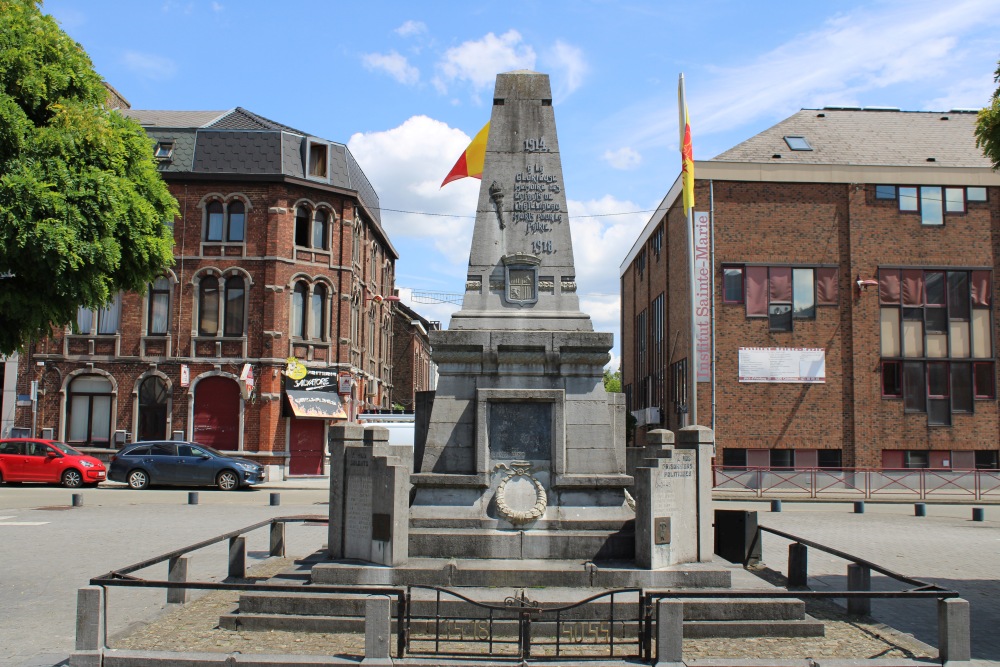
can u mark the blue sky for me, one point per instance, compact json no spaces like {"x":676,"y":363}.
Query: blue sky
{"x":406,"y":85}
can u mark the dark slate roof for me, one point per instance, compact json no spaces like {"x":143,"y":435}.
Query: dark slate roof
{"x":240,"y":142}
{"x":877,"y":137}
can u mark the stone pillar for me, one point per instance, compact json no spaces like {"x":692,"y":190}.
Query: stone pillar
{"x":702,"y":440}
{"x":277,"y":540}
{"x":954,"y":634}
{"x":669,"y":632}
{"x":378,"y":630}
{"x":177,"y":571}
{"x":859,"y":578}
{"x":89,"y":628}
{"x":341,"y":438}
{"x":238,"y":557}
{"x":654,"y":501}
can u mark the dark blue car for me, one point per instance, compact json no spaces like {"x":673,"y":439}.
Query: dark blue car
{"x":182,"y":464}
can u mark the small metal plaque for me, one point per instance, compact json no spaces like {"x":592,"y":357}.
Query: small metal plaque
{"x":661,"y":530}
{"x":382,"y":527}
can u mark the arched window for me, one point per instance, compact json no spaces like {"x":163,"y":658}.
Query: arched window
{"x":208,"y":307}
{"x":235,"y":306}
{"x":152,"y":409}
{"x":302,"y":226}
{"x":214,"y":224}
{"x":319,"y":230}
{"x":158,"y":319}
{"x":299,"y":310}
{"x":237,"y":221}
{"x":317,"y":313}
{"x":89,"y":406}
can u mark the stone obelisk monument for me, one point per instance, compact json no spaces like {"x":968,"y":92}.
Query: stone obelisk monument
{"x":525,"y":452}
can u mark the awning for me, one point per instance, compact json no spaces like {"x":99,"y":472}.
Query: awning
{"x":316,"y":404}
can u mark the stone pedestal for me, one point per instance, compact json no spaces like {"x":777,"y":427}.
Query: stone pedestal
{"x":673,"y":515}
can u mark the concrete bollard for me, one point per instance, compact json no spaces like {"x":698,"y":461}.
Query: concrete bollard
{"x":275,"y":499}
{"x":77,"y":500}
{"x":90,"y":618}
{"x":954,"y":633}
{"x":192,"y":497}
{"x":775,"y":505}
{"x":919,"y":509}
{"x":669,"y":632}
{"x":238,"y":557}
{"x":177,"y":571}
{"x":277,"y":539}
{"x":378,"y":630}
{"x":859,"y":578}
{"x":798,"y":564}
{"x":859,"y":507}
{"x":979,"y":514}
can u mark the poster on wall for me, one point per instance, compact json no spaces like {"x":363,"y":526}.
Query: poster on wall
{"x":783,"y":364}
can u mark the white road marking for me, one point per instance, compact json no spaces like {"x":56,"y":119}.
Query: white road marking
{"x":23,"y":523}
{"x":4,"y":518}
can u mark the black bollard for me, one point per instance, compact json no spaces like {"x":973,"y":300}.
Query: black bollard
{"x":77,"y":500}
{"x":979,"y":514}
{"x":919,"y":509}
{"x":192,"y":497}
{"x":275,"y":499}
{"x":859,"y":507}
{"x":775,"y":505}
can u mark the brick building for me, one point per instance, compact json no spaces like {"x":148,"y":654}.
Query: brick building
{"x":278,"y":253}
{"x":846,"y":275}
{"x":412,"y":368}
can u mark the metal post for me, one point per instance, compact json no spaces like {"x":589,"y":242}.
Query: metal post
{"x":275,"y":499}
{"x":177,"y":569}
{"x":775,"y":505}
{"x":77,"y":500}
{"x":978,"y":513}
{"x":277,"y":539}
{"x":192,"y":498}
{"x":919,"y":509}
{"x":238,"y":557}
{"x":859,"y":507}
{"x":798,"y":564}
{"x":859,"y":578}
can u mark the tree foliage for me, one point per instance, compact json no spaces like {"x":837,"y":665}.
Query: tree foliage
{"x":83,"y":211}
{"x":613,"y":381}
{"x":988,"y":126}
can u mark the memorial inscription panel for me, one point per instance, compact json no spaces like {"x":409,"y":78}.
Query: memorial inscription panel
{"x":520,"y":431}
{"x":357,"y":504}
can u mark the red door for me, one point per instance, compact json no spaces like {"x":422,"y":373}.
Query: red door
{"x":306,"y":446}
{"x":217,"y":413}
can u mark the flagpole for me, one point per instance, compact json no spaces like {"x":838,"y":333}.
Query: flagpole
{"x":689,"y":220}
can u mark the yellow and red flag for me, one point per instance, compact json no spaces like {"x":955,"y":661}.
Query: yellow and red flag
{"x":470,"y":162}
{"x":687,"y":152}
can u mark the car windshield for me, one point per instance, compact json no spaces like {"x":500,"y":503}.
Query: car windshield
{"x":66,"y":449}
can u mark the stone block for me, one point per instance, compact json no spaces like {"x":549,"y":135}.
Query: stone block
{"x":954,"y":633}
{"x":378,"y":631}
{"x":90,"y":618}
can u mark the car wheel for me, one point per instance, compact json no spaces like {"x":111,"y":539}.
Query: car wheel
{"x":72,"y":479}
{"x":227,"y":480}
{"x":138,"y":479}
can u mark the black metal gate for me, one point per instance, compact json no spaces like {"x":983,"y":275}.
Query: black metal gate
{"x":444,"y":622}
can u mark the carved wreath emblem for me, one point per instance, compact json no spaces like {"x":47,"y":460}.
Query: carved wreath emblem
{"x":520,"y":469}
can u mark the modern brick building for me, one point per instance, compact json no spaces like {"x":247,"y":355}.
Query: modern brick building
{"x":412,"y":368}
{"x":847,"y":267}
{"x":278,"y":253}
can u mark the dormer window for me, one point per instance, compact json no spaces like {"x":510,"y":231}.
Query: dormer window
{"x":164,"y":150}
{"x":317,"y":160}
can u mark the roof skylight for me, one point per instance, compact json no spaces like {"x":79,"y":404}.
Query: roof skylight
{"x":798,"y":143}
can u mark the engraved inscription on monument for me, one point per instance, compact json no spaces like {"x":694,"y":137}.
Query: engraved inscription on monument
{"x":357,"y":505}
{"x":520,"y":431}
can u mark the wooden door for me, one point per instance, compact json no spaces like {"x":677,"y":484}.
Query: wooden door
{"x":305,"y":438}
{"x":217,"y":413}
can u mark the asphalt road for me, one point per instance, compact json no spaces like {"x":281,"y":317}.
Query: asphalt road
{"x":49,"y":549}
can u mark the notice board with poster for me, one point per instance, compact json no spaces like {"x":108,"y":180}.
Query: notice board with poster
{"x":314,"y":394}
{"x":783,"y":364}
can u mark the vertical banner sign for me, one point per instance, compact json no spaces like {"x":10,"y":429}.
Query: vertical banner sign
{"x":702,"y":296}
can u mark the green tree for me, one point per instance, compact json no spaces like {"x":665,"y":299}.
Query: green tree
{"x":988,"y":126}
{"x":83,"y":211}
{"x":613,"y":381}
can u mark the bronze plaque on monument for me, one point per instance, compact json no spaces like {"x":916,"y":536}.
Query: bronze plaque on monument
{"x":520,"y":431}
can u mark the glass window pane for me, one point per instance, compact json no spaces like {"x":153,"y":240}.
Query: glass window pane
{"x":214,"y":230}
{"x":885,"y":192}
{"x":954,"y":200}
{"x":937,"y":345}
{"x":159,"y":308}
{"x":908,"y":199}
{"x":939,"y":411}
{"x":237,"y":221}
{"x":91,"y":384}
{"x":913,"y":338}
{"x":982,"y":346}
{"x":937,"y":379}
{"x":780,"y":317}
{"x":937,"y":320}
{"x":961,"y":387}
{"x":781,"y":458}
{"x":803,"y":294}
{"x":958,"y":338}
{"x":892,"y":380}
{"x":934,"y":287}
{"x":931,"y":206}
{"x":301,"y":227}
{"x":100,"y":421}
{"x":298,"y":311}
{"x":914,"y":389}
{"x":85,"y":321}
{"x":109,"y":317}
{"x":319,"y":230}
{"x":827,"y":289}
{"x":79,"y":417}
{"x":756,"y":290}
{"x":732,"y":284}
{"x":958,"y":295}
{"x":985,"y":380}
{"x":975,"y":194}
{"x":234,"y":307}
{"x":890,"y":332}
{"x":316,"y":309}
{"x":208,"y":308}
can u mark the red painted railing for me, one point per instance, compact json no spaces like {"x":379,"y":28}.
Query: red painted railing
{"x":860,"y":483}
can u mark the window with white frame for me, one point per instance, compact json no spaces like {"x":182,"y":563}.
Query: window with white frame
{"x":100,"y":321}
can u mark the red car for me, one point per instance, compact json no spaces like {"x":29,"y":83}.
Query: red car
{"x":36,"y":460}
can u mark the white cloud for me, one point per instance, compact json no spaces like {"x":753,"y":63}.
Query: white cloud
{"x":406,"y":165}
{"x":624,"y":158}
{"x":149,"y":65}
{"x":568,"y":67}
{"x":217,"y":7}
{"x":972,"y":93}
{"x":392,"y":64}
{"x":410,"y":28}
{"x":478,"y":62}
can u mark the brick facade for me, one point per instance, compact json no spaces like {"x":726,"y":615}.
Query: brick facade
{"x":412,"y":367}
